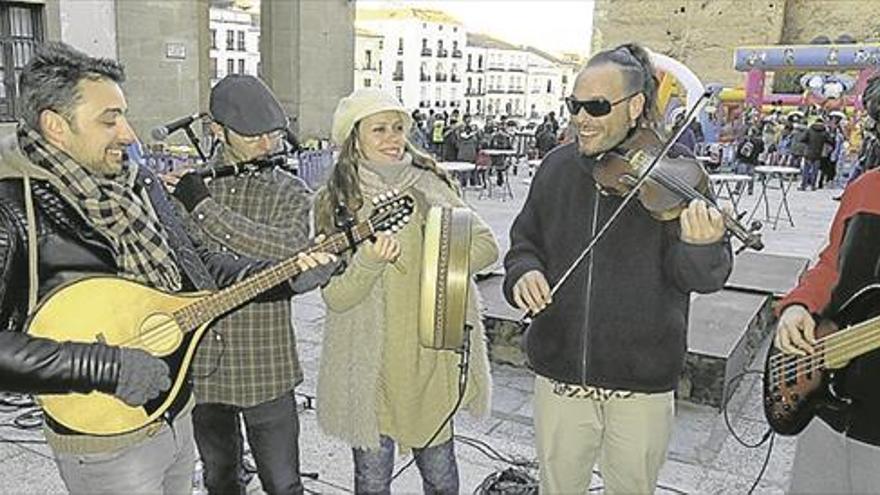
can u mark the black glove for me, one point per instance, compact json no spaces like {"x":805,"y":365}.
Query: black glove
{"x":141,"y":377}
{"x":191,"y":190}
{"x":315,"y":277}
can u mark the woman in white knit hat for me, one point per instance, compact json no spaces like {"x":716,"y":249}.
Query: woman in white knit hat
{"x":377,"y":387}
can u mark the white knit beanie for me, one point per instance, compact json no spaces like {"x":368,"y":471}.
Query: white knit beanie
{"x":360,"y":104}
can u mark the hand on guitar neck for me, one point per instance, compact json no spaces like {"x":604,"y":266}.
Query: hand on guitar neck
{"x":796,"y":332}
{"x":316,"y":268}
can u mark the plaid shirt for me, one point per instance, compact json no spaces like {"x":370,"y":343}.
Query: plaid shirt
{"x":249,"y":356}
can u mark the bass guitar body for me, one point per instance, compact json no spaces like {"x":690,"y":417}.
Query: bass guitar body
{"x":122,"y":313}
{"x":795,"y":387}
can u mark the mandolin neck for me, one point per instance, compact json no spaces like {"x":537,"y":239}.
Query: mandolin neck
{"x":212,"y":306}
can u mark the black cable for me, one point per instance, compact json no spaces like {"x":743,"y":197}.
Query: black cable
{"x":768,"y":435}
{"x":763,"y":466}
{"x":462,"y":387}
{"x":490,"y":452}
{"x":732,"y":387}
{"x":220,"y":354}
{"x":22,"y":443}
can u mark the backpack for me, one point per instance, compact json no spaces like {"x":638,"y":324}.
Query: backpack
{"x":746,"y":148}
{"x":500,"y":141}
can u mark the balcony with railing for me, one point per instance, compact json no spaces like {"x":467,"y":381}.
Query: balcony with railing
{"x":397,"y":76}
{"x":456,"y":78}
{"x":457,"y":53}
{"x":427,"y":52}
{"x":425,"y":77}
{"x":516,"y":91}
{"x":442,"y":53}
{"x":439,"y":77}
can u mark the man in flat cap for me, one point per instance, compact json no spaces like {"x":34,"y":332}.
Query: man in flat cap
{"x":247,"y":367}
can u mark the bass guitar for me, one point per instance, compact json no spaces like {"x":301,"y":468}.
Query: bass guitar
{"x":796,"y":387}
{"x":123,"y":313}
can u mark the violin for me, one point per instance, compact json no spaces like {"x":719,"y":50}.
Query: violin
{"x":670,"y":185}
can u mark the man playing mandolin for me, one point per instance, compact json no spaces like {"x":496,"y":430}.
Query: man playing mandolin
{"x":840,"y":452}
{"x":72,"y":206}
{"x":609,"y":348}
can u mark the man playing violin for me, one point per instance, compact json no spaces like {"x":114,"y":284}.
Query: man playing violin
{"x":839,"y":452}
{"x":609,"y":347}
{"x":247,"y":367}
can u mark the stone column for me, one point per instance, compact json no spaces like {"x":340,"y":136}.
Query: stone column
{"x":163,"y":44}
{"x":307,"y":58}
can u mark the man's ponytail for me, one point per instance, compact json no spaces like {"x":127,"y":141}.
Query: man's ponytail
{"x":635,"y":63}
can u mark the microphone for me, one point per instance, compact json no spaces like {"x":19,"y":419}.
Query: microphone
{"x":161,"y":132}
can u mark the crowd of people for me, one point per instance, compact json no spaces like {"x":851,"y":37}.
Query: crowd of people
{"x":607,"y":348}
{"x":829,"y":148}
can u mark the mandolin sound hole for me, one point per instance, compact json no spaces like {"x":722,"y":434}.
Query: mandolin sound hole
{"x":159,"y":335}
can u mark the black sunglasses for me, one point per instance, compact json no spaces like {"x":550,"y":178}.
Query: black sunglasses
{"x":597,"y":107}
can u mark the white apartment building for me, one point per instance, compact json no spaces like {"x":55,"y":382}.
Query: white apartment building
{"x":367,"y":59}
{"x":516,"y":81}
{"x":504,"y":75}
{"x":545,"y":90}
{"x":422,"y":59}
{"x":235,"y":42}
{"x":474,"y":76}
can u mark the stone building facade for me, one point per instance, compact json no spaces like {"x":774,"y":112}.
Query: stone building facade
{"x":704,"y":33}
{"x":307,"y":52}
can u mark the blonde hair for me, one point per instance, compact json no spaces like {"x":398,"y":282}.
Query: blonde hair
{"x":343,"y":187}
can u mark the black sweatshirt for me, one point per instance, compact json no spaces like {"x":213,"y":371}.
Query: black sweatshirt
{"x":620,"y":321}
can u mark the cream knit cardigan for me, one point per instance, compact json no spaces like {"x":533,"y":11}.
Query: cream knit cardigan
{"x":356,"y":320}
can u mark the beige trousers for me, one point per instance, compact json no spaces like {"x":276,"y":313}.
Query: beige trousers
{"x":629,"y":436}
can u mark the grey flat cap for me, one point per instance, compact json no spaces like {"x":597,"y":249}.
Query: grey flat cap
{"x":246,"y":105}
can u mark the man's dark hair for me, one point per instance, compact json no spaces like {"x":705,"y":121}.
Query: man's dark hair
{"x":635,"y":64}
{"x":49,"y":81}
{"x":871,"y":97}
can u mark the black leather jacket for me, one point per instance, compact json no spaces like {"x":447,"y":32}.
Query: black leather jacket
{"x":68,"y":249}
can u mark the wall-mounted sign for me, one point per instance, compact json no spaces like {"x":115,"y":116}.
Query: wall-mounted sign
{"x":175,"y":50}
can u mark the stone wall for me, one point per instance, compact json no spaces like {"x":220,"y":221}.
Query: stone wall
{"x":307,"y":53}
{"x":704,"y":33}
{"x":806,"y":19}
{"x":161,"y":43}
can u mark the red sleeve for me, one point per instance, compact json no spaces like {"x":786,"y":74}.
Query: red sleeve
{"x":816,"y":284}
